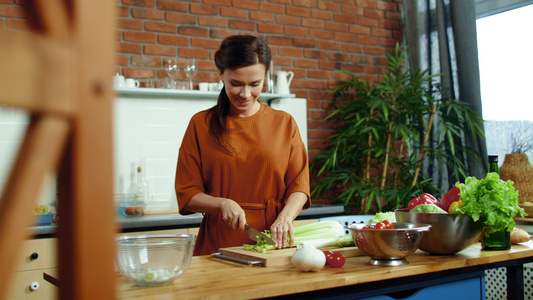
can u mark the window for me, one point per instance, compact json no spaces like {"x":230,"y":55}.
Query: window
{"x":506,"y":73}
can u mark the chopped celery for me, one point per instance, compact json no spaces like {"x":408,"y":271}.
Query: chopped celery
{"x":261,"y":246}
{"x":319,"y":234}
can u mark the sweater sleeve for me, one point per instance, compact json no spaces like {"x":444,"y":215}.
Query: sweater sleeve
{"x":297,"y":176}
{"x":189,"y":180}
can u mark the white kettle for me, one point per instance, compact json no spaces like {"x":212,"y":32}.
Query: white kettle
{"x":283,"y":81}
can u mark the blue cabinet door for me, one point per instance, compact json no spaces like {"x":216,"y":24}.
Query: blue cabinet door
{"x":473,"y":288}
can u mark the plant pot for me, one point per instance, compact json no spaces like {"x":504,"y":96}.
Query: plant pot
{"x":516,"y":167}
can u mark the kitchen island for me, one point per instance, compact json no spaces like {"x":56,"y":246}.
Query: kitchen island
{"x":460,"y":274}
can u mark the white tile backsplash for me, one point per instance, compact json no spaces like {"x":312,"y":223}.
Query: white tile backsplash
{"x":13,"y":125}
{"x":145,"y":128}
{"x":152,"y":129}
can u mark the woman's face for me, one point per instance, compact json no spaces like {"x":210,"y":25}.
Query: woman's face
{"x":243,"y":86}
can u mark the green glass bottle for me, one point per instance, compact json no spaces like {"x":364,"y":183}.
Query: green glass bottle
{"x":500,"y":240}
{"x":493,"y":164}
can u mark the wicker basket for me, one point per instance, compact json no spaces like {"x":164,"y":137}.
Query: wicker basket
{"x":516,"y":167}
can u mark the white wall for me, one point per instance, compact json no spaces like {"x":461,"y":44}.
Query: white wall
{"x":13,"y":125}
{"x":151,"y":129}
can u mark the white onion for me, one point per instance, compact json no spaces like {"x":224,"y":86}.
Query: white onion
{"x":307,"y":258}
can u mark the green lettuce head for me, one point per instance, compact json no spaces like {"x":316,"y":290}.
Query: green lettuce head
{"x":428,"y":209}
{"x":492,"y":201}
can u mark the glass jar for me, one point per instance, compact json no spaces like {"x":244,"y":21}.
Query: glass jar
{"x":499,"y":240}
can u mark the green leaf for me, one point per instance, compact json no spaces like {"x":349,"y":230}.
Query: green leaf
{"x":451,"y":142}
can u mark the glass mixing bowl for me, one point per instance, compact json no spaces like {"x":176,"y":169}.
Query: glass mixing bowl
{"x":154,"y":260}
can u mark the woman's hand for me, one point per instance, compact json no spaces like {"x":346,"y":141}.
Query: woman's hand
{"x":233,"y":214}
{"x":283,"y":226}
{"x":280,"y":229}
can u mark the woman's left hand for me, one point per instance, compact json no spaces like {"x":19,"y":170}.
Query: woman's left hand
{"x":280,"y":229}
{"x":283,"y":226}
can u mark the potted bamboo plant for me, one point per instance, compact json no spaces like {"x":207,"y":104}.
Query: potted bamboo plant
{"x":391,"y":129}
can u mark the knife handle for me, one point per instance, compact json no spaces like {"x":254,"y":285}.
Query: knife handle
{"x":238,"y":260}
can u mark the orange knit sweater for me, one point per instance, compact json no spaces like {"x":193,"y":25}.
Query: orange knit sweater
{"x":268,"y":164}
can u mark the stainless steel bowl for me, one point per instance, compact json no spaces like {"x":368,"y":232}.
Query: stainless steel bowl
{"x":388,"y":247}
{"x":154,"y":260}
{"x":449,"y":233}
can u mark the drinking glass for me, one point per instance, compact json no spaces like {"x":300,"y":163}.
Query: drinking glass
{"x":190,"y":69}
{"x":171,"y":67}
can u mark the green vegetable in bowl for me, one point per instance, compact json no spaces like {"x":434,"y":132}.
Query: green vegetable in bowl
{"x":428,"y":209}
{"x":382,"y":216}
{"x":490,"y":200}
{"x":41,"y":209}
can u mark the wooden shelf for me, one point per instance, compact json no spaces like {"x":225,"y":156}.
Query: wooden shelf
{"x":189,"y":94}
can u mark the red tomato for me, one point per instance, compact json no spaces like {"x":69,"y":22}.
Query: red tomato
{"x":388,"y":224}
{"x":380,"y":225}
{"x":337,"y":260}
{"x":328,"y":255}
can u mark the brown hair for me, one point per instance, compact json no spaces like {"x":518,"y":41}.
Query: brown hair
{"x":235,"y":51}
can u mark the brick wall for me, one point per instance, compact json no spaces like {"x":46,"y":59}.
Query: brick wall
{"x":312,"y":38}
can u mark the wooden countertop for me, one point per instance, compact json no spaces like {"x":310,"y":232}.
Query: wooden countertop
{"x":212,"y":278}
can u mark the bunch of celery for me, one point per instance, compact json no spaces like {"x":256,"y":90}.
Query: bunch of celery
{"x":319,"y":234}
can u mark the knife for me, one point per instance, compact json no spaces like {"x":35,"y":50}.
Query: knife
{"x":254,"y":234}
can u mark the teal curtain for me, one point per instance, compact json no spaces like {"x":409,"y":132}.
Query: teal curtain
{"x":441,"y":36}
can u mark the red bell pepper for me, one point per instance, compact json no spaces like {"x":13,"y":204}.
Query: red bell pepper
{"x":424,"y":199}
{"x":451,"y":196}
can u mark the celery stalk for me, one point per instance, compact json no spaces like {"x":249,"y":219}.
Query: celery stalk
{"x":319,"y":234}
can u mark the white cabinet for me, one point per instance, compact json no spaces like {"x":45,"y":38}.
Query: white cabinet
{"x":37,"y":257}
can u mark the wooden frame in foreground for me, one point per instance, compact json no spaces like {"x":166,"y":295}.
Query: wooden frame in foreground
{"x":61,"y":73}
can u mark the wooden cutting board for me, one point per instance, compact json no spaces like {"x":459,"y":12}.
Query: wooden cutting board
{"x":279,"y":257}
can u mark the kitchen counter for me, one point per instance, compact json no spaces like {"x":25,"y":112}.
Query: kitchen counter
{"x":176,"y":221}
{"x":211,"y":278}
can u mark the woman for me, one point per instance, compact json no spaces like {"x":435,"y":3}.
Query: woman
{"x":242,"y":161}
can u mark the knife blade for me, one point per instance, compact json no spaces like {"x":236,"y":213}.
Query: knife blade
{"x":254,"y":234}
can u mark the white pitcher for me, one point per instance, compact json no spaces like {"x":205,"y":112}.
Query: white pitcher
{"x":283,"y":81}
{"x":132,"y":83}
{"x":119,"y":81}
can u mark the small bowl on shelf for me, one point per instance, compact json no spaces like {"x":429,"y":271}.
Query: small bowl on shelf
{"x":154,"y":260}
{"x":44,"y":219}
{"x":131,"y":209}
{"x":127,"y":206}
{"x":388,"y":247}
